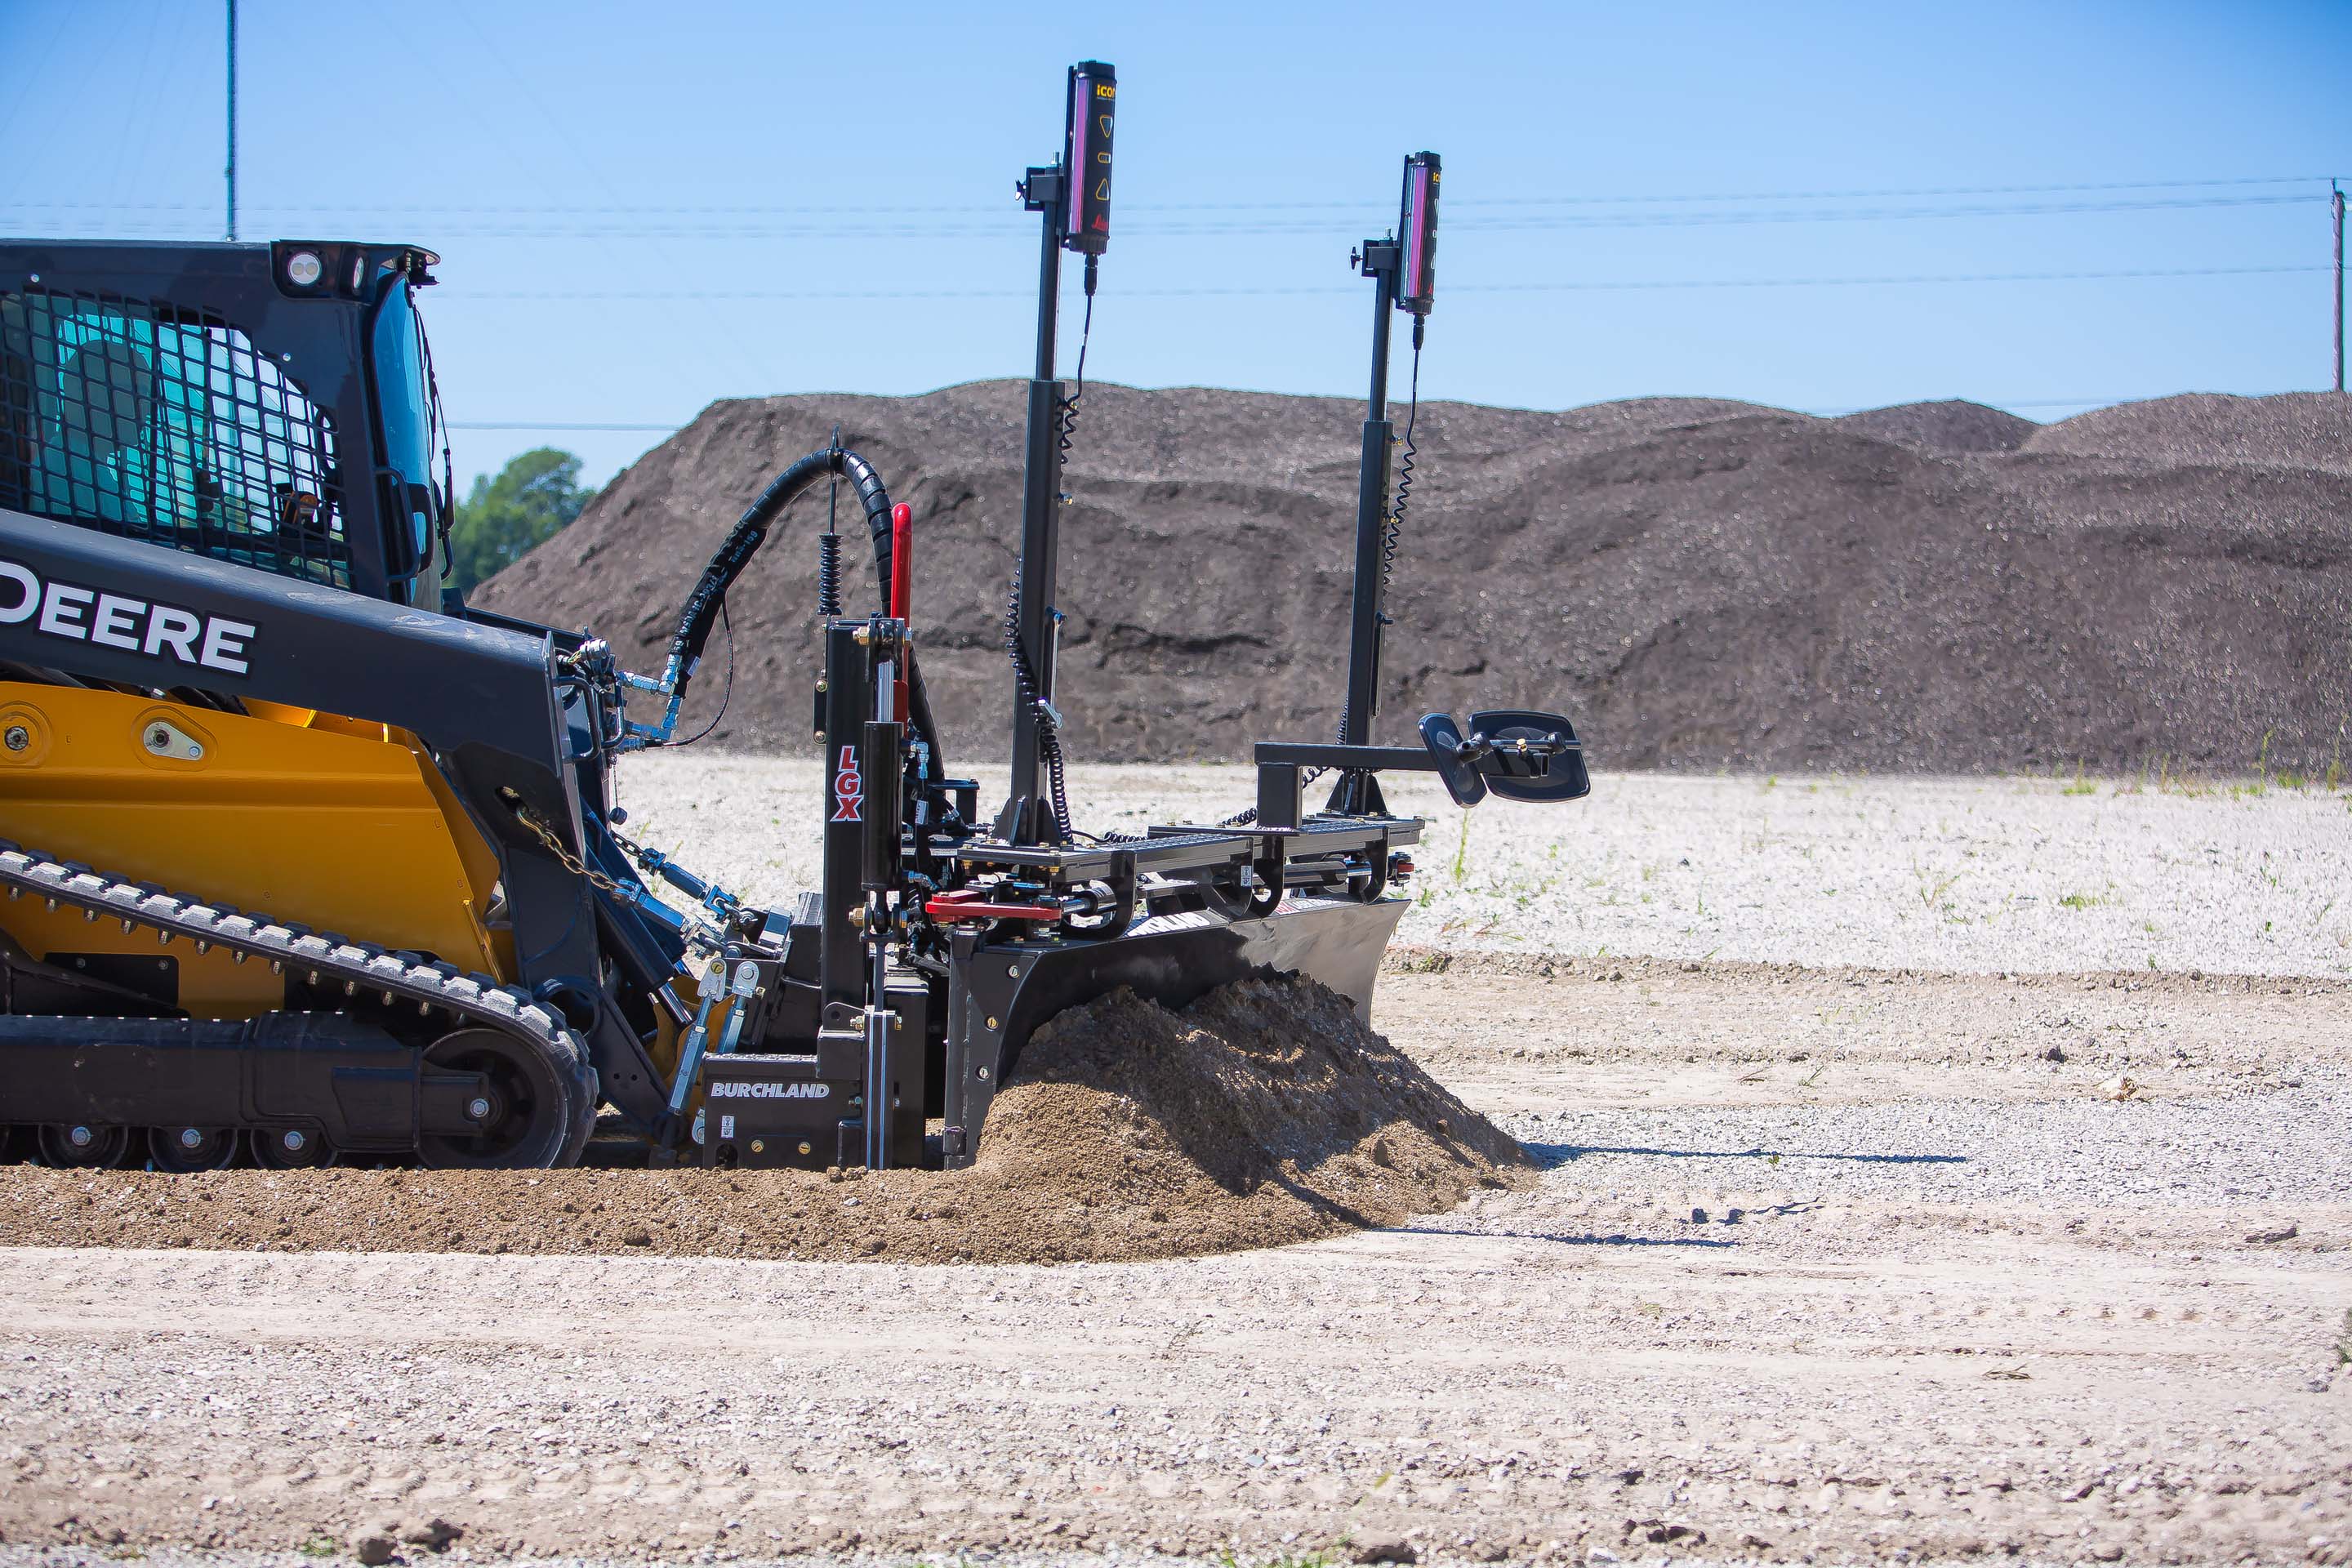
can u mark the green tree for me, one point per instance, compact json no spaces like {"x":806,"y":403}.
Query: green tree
{"x":534,"y":497}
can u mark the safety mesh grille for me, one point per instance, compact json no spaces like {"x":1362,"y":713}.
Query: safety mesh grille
{"x":168,"y":425}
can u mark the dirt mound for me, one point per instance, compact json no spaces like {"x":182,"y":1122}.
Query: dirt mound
{"x":1264,"y":1113}
{"x":1953,"y":425}
{"x":1699,"y":583}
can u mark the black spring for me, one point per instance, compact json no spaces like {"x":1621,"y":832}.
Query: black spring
{"x":828,"y":574}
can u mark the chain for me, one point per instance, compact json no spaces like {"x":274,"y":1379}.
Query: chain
{"x":572,"y":863}
{"x":700,"y":935}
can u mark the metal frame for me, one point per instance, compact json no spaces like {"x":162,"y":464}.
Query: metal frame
{"x":318,"y":338}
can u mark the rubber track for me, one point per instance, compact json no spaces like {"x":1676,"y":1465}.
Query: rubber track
{"x":363,"y":968}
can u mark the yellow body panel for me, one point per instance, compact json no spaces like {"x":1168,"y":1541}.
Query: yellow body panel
{"x":338,"y":825}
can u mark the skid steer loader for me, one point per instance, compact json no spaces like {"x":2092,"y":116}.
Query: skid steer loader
{"x":305,"y":860}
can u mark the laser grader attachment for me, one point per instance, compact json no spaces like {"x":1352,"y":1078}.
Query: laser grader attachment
{"x":305,"y":860}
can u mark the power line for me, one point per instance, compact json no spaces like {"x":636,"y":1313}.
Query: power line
{"x":1454,"y":204}
{"x":1596,"y":286}
{"x":1556,"y":221}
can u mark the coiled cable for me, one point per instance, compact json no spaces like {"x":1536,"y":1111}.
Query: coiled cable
{"x":1066,"y":415}
{"x":1395,"y":532}
{"x":1391,"y":540}
{"x":1049,"y":737}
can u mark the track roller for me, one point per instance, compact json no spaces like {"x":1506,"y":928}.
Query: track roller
{"x":78,"y":1146}
{"x":540,"y":1109}
{"x":181,"y":1149}
{"x":289,"y":1148}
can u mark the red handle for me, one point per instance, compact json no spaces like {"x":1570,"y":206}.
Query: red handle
{"x":902,"y":569}
{"x":902,"y":546}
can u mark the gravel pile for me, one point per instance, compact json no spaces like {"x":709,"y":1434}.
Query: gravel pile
{"x":2297,"y":430}
{"x":1699,"y":583}
{"x":1951,"y":425}
{"x":1264,"y":1113}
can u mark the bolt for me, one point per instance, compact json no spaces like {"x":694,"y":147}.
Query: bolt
{"x":991,"y":1024}
{"x":1014,"y":970}
{"x":19,"y":737}
{"x":81,"y":1137}
{"x":293,"y":1142}
{"x":478,"y":1108}
{"x":804,"y":1146}
{"x":190,"y":1139}
{"x":159,"y":738}
{"x":983,"y":1072}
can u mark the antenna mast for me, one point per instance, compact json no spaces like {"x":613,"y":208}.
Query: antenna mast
{"x":232,"y":119}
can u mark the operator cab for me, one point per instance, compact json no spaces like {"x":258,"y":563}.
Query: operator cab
{"x":272,"y":406}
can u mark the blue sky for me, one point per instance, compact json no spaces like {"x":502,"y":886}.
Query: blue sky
{"x":665,"y":157}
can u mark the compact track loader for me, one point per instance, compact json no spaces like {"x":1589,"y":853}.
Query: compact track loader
{"x":304,"y":860}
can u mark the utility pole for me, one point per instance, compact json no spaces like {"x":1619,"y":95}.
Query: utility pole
{"x":234,"y":120}
{"x":2335,"y":199}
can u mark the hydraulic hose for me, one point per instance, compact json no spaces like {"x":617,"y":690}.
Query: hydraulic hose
{"x":751,"y":531}
{"x":743,"y":542}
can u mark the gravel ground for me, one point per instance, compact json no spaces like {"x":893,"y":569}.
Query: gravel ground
{"x":1975,"y":875}
{"x":2111,"y":1333}
{"x":2197,"y":1152}
{"x":1826,"y":1264}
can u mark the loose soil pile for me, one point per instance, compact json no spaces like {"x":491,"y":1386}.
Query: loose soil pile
{"x":1264,"y":1113}
{"x":1699,"y":583}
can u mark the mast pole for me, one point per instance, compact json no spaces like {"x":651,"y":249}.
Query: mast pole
{"x":231,"y":169}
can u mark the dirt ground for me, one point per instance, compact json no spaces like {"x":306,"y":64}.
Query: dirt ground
{"x":1821,"y":1264}
{"x":1263,"y":1114}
